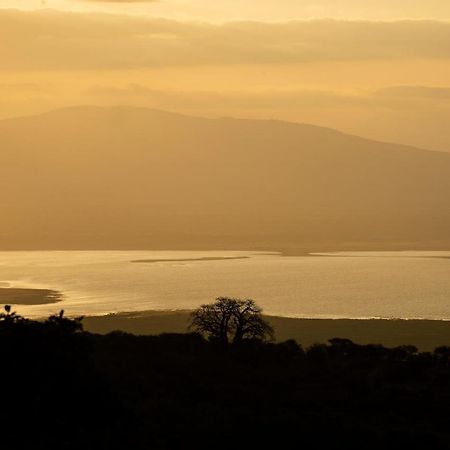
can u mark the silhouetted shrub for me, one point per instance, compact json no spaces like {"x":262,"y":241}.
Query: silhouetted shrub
{"x":64,"y":388}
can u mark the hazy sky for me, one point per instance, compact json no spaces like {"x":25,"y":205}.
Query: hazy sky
{"x":376,"y":68}
{"x":223,"y":10}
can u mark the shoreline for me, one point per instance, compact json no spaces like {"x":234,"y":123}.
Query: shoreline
{"x":424,"y":334}
{"x":281,"y":249}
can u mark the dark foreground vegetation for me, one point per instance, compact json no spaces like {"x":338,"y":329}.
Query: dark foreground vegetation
{"x":63,"y":388}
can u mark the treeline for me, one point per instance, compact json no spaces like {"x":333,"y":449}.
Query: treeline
{"x":64,"y":388}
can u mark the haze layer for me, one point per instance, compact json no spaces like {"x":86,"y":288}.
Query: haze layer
{"x":136,"y":178}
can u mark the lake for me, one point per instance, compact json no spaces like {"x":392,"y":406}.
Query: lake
{"x":335,"y":285}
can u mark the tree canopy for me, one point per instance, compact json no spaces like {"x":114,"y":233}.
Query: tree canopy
{"x":231,"y":320}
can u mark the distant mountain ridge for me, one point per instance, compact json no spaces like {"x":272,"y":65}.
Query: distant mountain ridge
{"x":124,"y":177}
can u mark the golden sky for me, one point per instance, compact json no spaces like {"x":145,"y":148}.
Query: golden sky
{"x":264,"y":10}
{"x":380,"y":69}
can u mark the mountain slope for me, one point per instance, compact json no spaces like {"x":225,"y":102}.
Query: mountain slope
{"x":122,"y":177}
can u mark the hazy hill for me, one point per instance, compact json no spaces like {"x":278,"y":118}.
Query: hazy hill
{"x":89,"y":177}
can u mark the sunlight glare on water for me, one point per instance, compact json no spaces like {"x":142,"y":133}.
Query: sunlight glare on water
{"x":352,"y":284}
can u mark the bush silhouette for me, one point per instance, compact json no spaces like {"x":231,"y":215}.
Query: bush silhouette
{"x":64,"y":388}
{"x":9,"y":316}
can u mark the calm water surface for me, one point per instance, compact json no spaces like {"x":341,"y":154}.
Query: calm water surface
{"x":353,"y":285}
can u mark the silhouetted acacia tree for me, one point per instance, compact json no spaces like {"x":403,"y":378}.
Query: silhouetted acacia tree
{"x":231,"y":320}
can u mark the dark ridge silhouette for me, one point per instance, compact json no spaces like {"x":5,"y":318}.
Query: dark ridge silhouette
{"x":64,"y":388}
